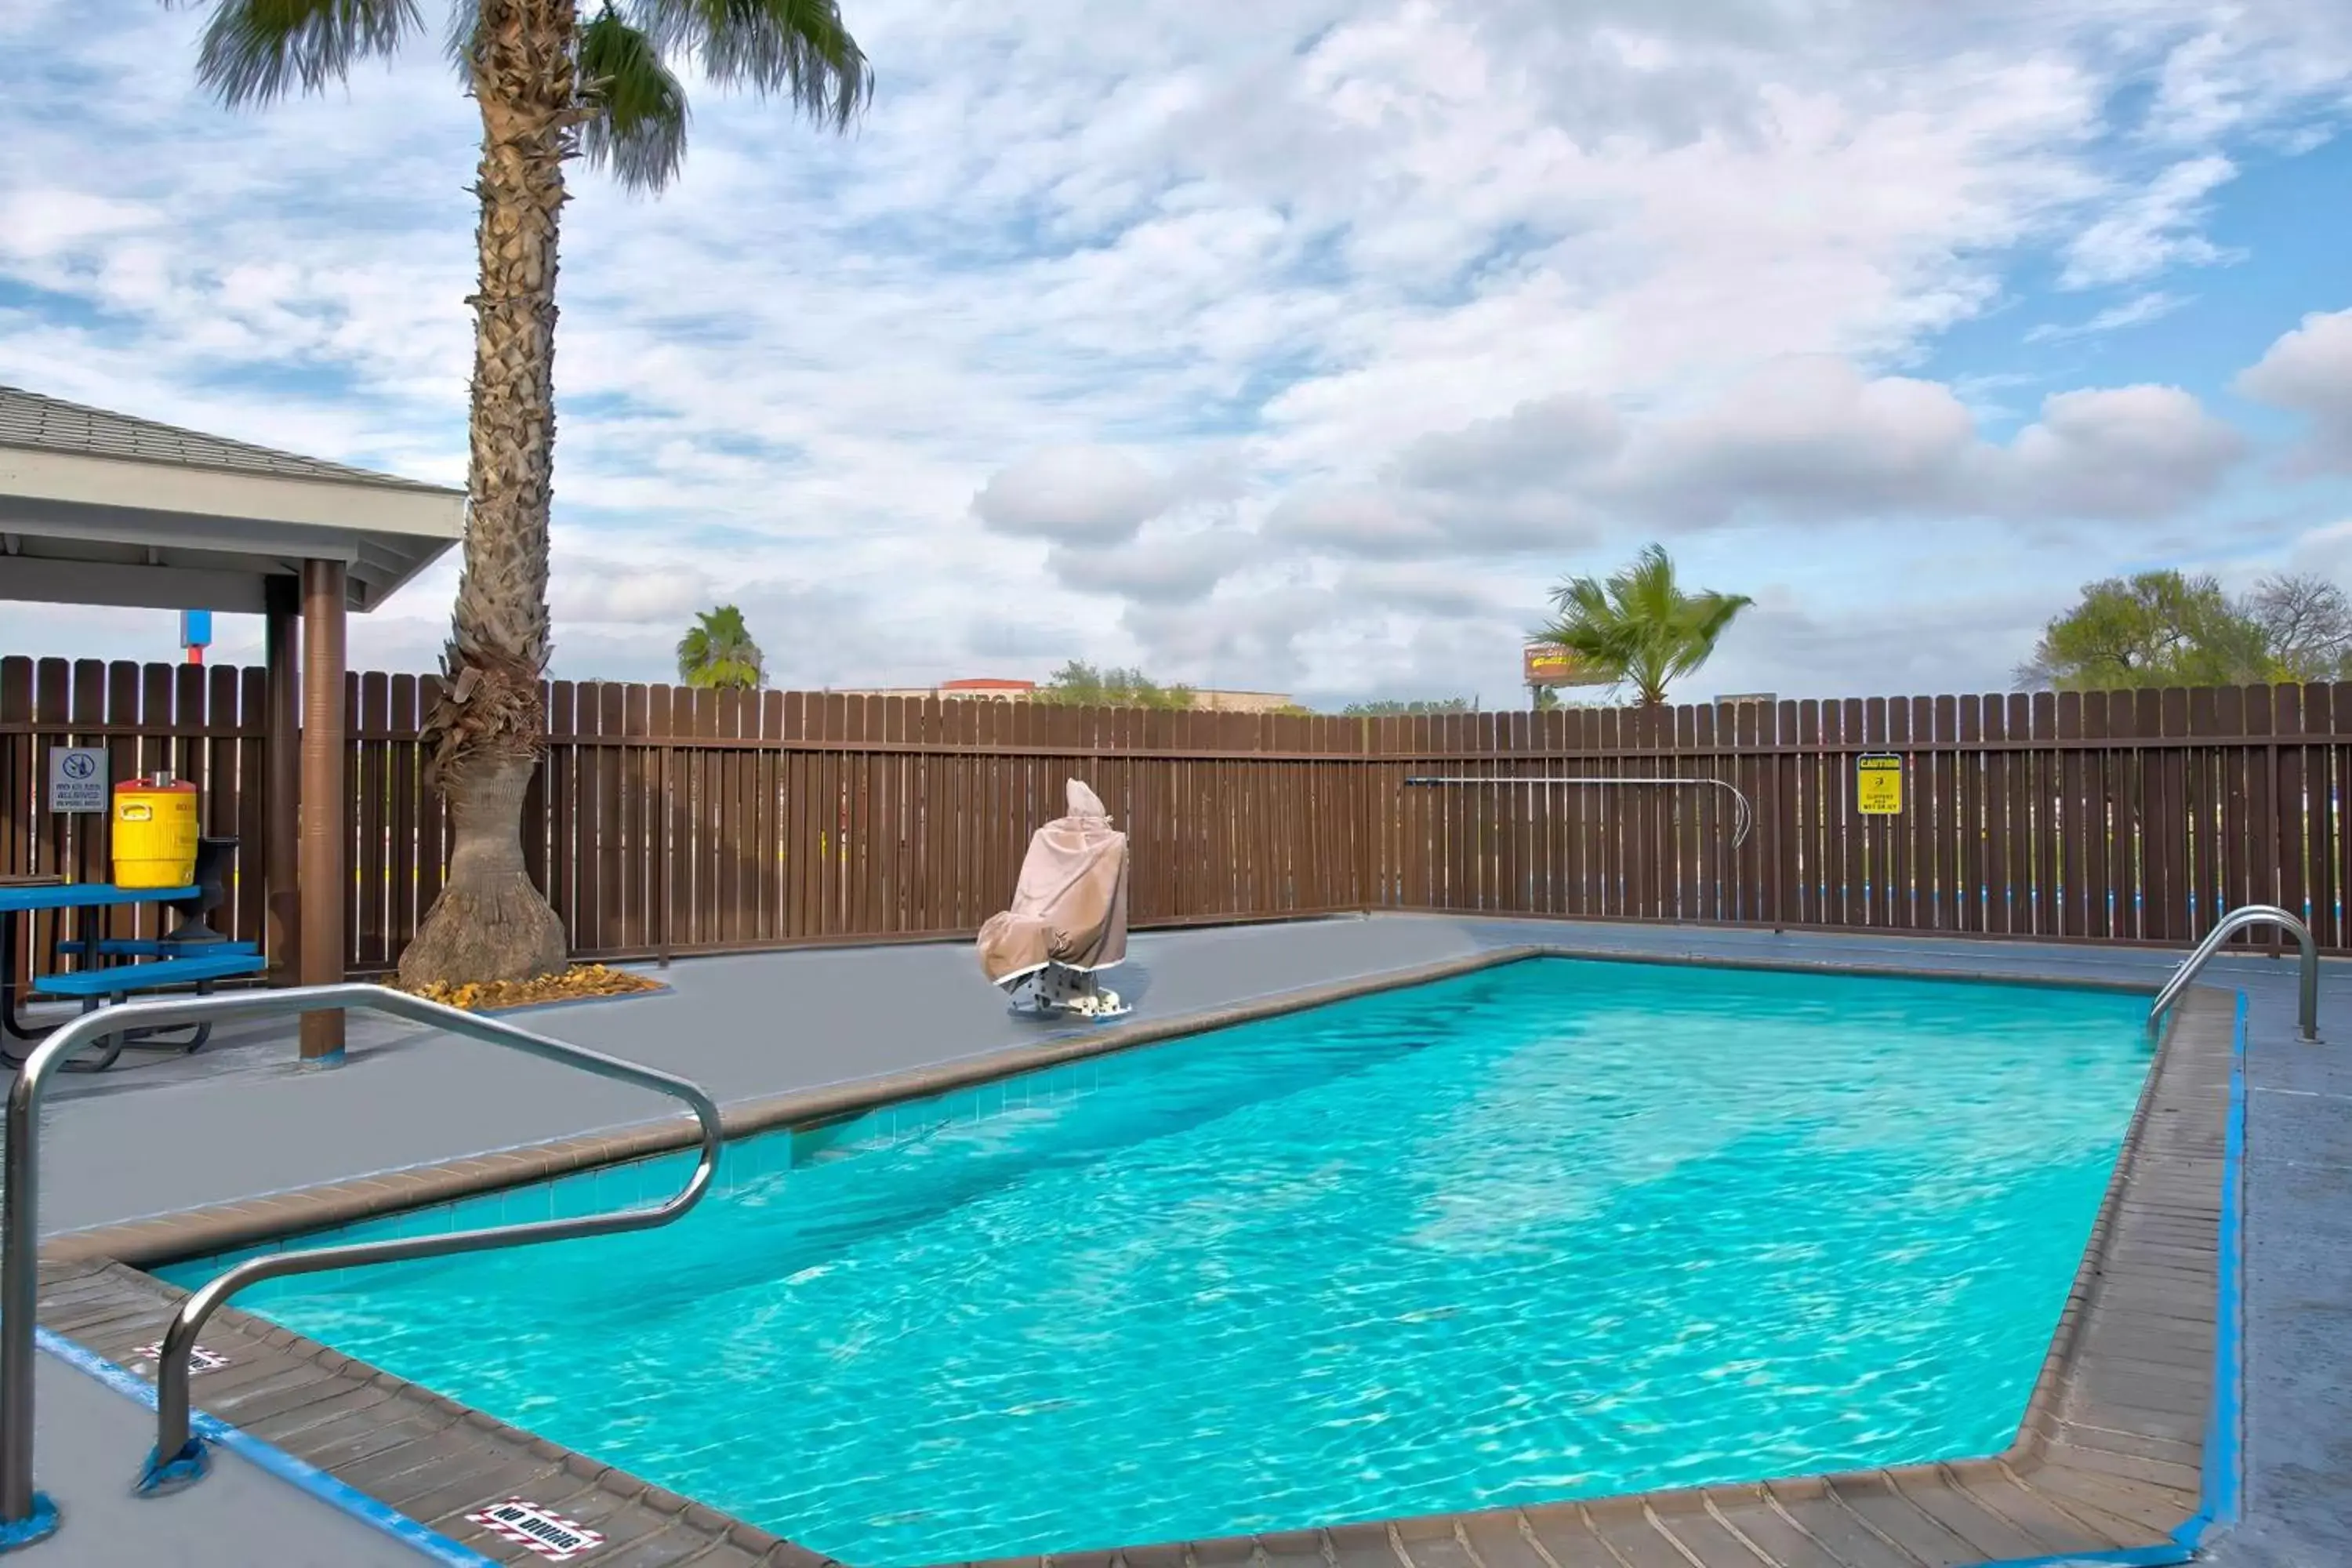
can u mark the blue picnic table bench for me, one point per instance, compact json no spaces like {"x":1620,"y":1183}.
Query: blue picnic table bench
{"x":113,"y":969}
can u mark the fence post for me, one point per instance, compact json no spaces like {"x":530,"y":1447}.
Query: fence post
{"x":662,"y":851}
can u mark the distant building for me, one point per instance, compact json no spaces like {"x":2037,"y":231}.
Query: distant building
{"x":984,"y":688}
{"x":1240,"y":702}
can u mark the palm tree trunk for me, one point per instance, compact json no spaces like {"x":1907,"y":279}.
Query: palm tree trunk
{"x":491,"y":924}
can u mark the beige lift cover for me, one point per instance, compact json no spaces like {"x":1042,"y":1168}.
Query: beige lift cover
{"x":1070,"y":906}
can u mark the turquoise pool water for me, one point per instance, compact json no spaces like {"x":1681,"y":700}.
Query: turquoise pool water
{"x":1558,"y":1230}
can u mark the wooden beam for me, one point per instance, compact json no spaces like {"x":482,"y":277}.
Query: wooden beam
{"x":324,"y":805}
{"x":32,"y":579}
{"x":282,"y":787}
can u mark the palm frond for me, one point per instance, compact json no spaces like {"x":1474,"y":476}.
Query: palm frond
{"x":256,"y":51}
{"x":457,"y":42}
{"x":798,"y":48}
{"x":718,"y":652}
{"x":637,"y":122}
{"x":1639,"y":626}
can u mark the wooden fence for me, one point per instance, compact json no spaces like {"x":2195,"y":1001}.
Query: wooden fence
{"x":671,"y":821}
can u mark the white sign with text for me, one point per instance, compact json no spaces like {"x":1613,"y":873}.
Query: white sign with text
{"x":78,"y":779}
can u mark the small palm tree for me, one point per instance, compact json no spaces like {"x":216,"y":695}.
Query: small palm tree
{"x":1639,"y":627}
{"x":718,"y":654}
{"x":550,"y":86}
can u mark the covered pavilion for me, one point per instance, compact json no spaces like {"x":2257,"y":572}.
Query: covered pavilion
{"x":99,"y":508}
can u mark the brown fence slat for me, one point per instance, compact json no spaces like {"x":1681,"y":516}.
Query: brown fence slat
{"x":2025,"y":784}
{"x":601,"y":854}
{"x":248,"y":919}
{"x":2323,"y":714}
{"x":2294,"y":800}
{"x":401,"y":845}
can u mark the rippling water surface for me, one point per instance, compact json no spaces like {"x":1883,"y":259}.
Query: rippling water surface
{"x":1558,"y":1230}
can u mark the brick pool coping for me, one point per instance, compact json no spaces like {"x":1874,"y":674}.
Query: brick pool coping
{"x":2109,"y":1455}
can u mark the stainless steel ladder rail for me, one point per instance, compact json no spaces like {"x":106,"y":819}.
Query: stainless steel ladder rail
{"x":24,"y":1514}
{"x":2228,"y":926}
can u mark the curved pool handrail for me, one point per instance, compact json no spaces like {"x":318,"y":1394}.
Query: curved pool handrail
{"x":24,"y":1514}
{"x":1743,"y":814}
{"x":2228,"y":926}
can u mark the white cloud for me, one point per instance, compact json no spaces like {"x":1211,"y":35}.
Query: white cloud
{"x":2256,"y":66}
{"x":1083,"y":494}
{"x":1808,"y":440}
{"x":1403,"y":522}
{"x":2136,"y":311}
{"x":1810,"y":435}
{"x":2151,"y":231}
{"x":2130,"y":453}
{"x":1159,"y":567}
{"x":1934,"y":648}
{"x":1549,"y":438}
{"x":2308,"y":372}
{"x":2326,"y":550}
{"x":614,"y":593}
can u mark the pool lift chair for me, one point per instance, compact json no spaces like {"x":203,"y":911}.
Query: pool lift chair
{"x":1057,"y":988}
{"x":1069,"y":918}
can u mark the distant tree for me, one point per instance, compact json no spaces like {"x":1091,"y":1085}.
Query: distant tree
{"x":718,"y":655}
{"x":1390,"y":707}
{"x":1080,"y":685}
{"x":2306,"y":626}
{"x":1639,"y":627}
{"x":2156,"y":628}
{"x":1545,"y":698}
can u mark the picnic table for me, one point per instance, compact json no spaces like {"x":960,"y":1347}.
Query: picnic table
{"x":33,"y":895}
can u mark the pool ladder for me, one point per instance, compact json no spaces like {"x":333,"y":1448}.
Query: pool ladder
{"x":27,"y":1515}
{"x":2236,"y":921}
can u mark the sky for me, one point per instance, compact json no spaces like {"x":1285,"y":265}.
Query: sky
{"x":1301,"y":345}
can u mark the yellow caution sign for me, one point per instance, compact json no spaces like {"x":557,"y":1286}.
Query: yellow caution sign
{"x":1878,"y":785}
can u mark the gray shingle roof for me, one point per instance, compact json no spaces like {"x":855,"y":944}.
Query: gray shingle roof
{"x":51,"y":425}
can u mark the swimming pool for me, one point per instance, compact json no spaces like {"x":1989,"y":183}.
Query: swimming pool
{"x":1562,"y":1228}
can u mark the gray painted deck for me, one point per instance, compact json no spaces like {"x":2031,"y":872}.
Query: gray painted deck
{"x":90,"y":1441}
{"x":241,"y":1122}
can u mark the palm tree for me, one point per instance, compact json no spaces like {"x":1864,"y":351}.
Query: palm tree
{"x":550,"y":86}
{"x":718,"y":654}
{"x":1639,"y":627}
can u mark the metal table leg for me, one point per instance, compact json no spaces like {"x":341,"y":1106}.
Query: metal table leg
{"x":9,"y":1024}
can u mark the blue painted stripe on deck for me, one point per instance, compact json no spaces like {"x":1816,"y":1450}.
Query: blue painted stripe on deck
{"x":2220,"y":1466}
{"x":277,"y":1461}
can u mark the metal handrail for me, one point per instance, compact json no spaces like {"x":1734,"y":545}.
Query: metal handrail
{"x":2229,"y":925}
{"x":1743,"y":814}
{"x":20,"y":1236}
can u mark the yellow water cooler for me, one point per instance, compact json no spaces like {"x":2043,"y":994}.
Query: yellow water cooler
{"x":156,"y":832}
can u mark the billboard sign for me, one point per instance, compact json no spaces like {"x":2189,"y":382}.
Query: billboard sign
{"x":1548,"y":664}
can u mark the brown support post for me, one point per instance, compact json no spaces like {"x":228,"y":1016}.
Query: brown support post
{"x":323,"y":803}
{"x":283,"y":786}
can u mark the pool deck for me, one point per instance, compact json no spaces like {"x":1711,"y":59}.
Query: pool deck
{"x":239,"y":1123}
